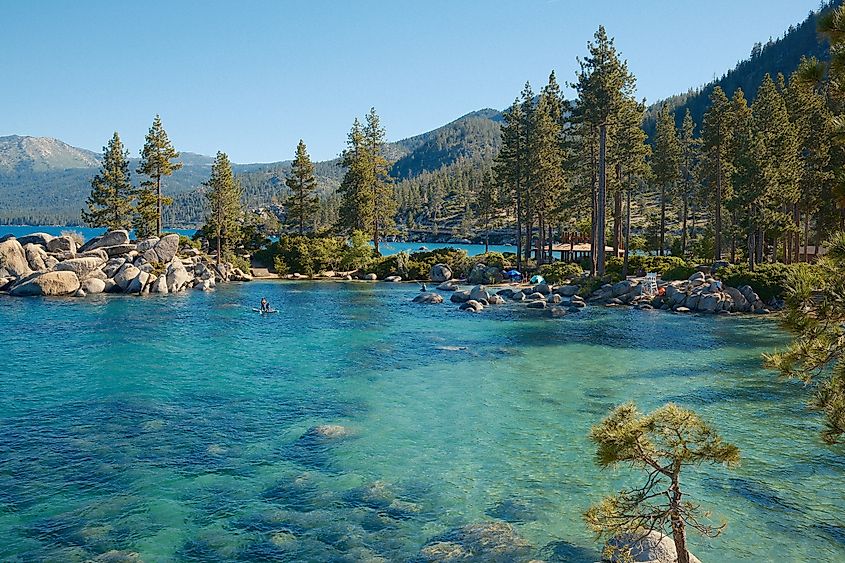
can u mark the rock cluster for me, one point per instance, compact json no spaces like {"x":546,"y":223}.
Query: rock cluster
{"x":652,"y":547}
{"x":40,"y":264}
{"x":699,"y":293}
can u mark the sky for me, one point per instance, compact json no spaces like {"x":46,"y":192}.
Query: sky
{"x":252,"y":77}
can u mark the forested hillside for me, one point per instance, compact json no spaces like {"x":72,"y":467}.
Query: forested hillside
{"x":776,"y":56}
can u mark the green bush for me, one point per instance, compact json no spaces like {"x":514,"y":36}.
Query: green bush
{"x":767,"y":280}
{"x":678,"y":273}
{"x":358,"y":252}
{"x":239,"y":262}
{"x":187,"y":241}
{"x":303,"y":254}
{"x":560,"y":271}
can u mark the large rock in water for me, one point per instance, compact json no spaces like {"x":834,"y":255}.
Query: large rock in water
{"x":428,"y":297}
{"x":13,"y":263}
{"x":177,"y":277}
{"x":440,"y":273}
{"x":80,"y":266}
{"x":48,"y":283}
{"x":488,"y":542}
{"x":167,"y":247}
{"x":479,"y":292}
{"x":654,"y":547}
{"x":125,"y":275}
{"x":117,"y":237}
{"x":93,"y":286}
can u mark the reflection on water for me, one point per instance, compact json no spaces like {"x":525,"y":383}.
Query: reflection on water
{"x":177,"y":428}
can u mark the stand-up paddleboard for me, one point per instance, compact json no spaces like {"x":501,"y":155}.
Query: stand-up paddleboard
{"x":265,"y":312}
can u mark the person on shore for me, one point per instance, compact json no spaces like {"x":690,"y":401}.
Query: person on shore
{"x":265,"y":305}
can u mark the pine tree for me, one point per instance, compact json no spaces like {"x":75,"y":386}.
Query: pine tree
{"x":603,"y":83}
{"x":302,"y":204}
{"x":487,"y":206}
{"x":665,"y":164}
{"x":156,"y":162}
{"x":110,"y":202}
{"x":356,"y":208}
{"x":715,"y":136}
{"x":507,"y":169}
{"x":527,"y":162}
{"x":689,"y":160}
{"x":661,"y":443}
{"x":380,"y":182}
{"x":225,"y":210}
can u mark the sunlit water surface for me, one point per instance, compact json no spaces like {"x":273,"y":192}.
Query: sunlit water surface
{"x":171,"y":426}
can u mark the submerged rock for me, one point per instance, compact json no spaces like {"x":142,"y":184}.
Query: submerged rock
{"x":488,"y":542}
{"x":326,"y":431}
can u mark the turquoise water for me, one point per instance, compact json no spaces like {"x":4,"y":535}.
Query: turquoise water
{"x":171,"y":426}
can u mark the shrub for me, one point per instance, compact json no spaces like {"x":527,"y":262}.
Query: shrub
{"x":678,"y":273}
{"x":767,"y":280}
{"x":560,"y":271}
{"x":358,"y":252}
{"x":303,"y":254}
{"x":187,"y":241}
{"x":239,"y":262}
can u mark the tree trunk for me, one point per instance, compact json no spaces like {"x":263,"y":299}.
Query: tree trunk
{"x":662,"y":220}
{"x":158,"y":205}
{"x":594,"y":212}
{"x":806,"y":233}
{"x":617,"y":211}
{"x":602,"y":199}
{"x":627,"y":230}
{"x":684,"y":227}
{"x":518,"y":230}
{"x":679,"y":534}
{"x":718,"y":210}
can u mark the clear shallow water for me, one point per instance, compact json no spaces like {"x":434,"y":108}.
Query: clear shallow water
{"x":170,"y":426}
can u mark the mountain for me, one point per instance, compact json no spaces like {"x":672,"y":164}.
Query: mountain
{"x":41,"y":154}
{"x":777,"y":56}
{"x":44,"y":180}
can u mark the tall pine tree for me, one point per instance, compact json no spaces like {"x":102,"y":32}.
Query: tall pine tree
{"x":110,"y":202}
{"x":157,"y":158}
{"x":223,"y":222}
{"x":301,"y":205}
{"x":665,"y":164}
{"x":716,"y":136}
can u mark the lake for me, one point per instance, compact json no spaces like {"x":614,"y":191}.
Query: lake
{"x":386,"y":248}
{"x":176,"y":427}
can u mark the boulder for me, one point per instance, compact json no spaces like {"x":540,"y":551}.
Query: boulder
{"x":48,"y":283}
{"x":80,"y":266}
{"x":393,"y":279}
{"x":459,"y":297}
{"x":41,"y":239}
{"x":543,"y":289}
{"x":111,"y":287}
{"x":205,"y":285}
{"x":653,"y":547}
{"x":62,"y":244}
{"x":167,"y":247}
{"x":622,"y":287}
{"x":13,"y":262}
{"x":518,"y":296}
{"x":709,"y":302}
{"x":496,"y":300}
{"x":448,"y":286}
{"x":159,"y":285}
{"x":93,"y":286}
{"x":682,"y":310}
{"x":111,"y":238}
{"x":368,"y":277}
{"x":139,"y":283}
{"x":117,"y":249}
{"x":239,"y":275}
{"x":478,"y":274}
{"x":148,"y":255}
{"x":472,"y":306}
{"x":96,"y":253}
{"x":428,"y":297}
{"x":506,"y":292}
{"x":697,"y":278}
{"x":112,"y":266}
{"x":440,"y":273}
{"x":554,"y":298}
{"x":578,"y":304}
{"x":36,"y":256}
{"x":147,"y":244}
{"x":479,"y":292}
{"x":567,"y":290}
{"x":535,"y":296}
{"x":177,"y":277}
{"x":740,"y":303}
{"x":125,"y":275}
{"x":537,"y":305}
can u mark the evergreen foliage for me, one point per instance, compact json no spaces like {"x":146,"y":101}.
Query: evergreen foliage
{"x":225,"y":215}
{"x":661,"y":443}
{"x":302,"y":205}
{"x":157,"y":158}
{"x":110,"y":202}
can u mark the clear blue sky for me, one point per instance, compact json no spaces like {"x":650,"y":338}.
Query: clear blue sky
{"x":252,"y":77}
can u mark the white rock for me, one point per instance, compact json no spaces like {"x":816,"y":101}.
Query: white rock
{"x":13,"y":262}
